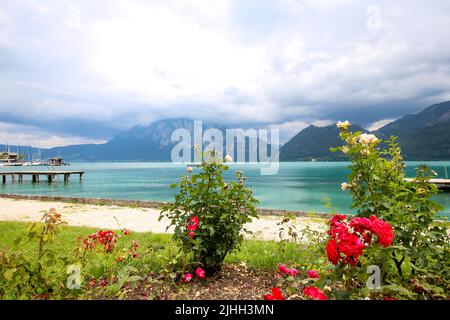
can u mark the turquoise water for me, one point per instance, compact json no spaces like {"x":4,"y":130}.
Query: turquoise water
{"x":297,"y":186}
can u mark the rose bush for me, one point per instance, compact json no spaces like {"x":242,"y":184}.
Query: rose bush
{"x":351,"y":243}
{"x":208,"y":214}
{"x":106,"y":261}
{"x":416,"y":265}
{"x":37,"y":275}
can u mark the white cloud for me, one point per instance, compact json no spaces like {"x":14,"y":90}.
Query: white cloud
{"x":14,"y":134}
{"x":378,"y":124}
{"x":161,"y":56}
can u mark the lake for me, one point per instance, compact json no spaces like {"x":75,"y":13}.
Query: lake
{"x":297,"y":185}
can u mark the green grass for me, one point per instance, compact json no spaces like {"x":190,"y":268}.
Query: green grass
{"x":259,"y":255}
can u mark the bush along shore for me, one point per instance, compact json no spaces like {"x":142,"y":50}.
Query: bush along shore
{"x":392,"y":249}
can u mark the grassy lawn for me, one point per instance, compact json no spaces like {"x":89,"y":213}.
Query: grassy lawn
{"x":246,"y":274}
{"x":256,"y":254}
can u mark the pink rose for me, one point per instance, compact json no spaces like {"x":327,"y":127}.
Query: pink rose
{"x":200,"y":273}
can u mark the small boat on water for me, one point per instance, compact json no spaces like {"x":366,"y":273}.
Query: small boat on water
{"x":56,"y":162}
{"x":13,"y":164}
{"x":34,"y":163}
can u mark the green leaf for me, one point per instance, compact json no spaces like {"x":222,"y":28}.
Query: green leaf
{"x":98,"y":270}
{"x":9,"y":274}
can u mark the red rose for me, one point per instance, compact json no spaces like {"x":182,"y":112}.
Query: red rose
{"x":291,"y":272}
{"x":276,"y":295}
{"x":361,"y":224}
{"x":351,"y":245}
{"x":187,"y":277}
{"x":338,"y":217}
{"x":338,"y":226}
{"x":283,"y":268}
{"x":332,"y":252}
{"x":315,"y":293}
{"x":192,"y":228}
{"x":200,"y":273}
{"x":194,"y":221}
{"x":313,"y":274}
{"x":384,"y":232}
{"x":191,"y":234}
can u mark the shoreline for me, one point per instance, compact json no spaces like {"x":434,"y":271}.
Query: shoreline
{"x":152,"y":204}
{"x":101,"y":215}
{"x":142,"y":216}
{"x":147,"y":204}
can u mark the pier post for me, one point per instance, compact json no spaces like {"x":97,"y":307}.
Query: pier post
{"x":50,"y":175}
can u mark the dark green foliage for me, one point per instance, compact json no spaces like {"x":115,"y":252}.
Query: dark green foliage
{"x":417,"y":265}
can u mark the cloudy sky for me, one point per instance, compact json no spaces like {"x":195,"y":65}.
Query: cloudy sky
{"x":82,"y":71}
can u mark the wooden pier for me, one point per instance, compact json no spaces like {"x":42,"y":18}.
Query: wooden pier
{"x":442,"y":184}
{"x":50,"y":176}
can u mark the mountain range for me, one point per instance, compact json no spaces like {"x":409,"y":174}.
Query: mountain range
{"x":422,"y":136}
{"x":141,"y":143}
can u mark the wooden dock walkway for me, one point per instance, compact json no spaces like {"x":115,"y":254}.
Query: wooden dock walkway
{"x":35,"y":175}
{"x":442,"y":184}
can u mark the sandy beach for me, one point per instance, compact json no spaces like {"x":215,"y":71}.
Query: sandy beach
{"x":136,"y":219}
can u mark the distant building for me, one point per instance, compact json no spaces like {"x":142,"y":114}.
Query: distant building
{"x":9,"y":157}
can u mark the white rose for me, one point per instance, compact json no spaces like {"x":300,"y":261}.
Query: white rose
{"x":344,"y":186}
{"x":345,"y":149}
{"x":343,"y":125}
{"x":228,"y":158}
{"x":189,"y":169}
{"x":366,"y":139}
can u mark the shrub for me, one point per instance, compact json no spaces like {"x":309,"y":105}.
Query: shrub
{"x":106,"y":261}
{"x":209,"y":214}
{"x":351,"y":243}
{"x":417,"y":264}
{"x":394,"y":230}
{"x":40,"y":275}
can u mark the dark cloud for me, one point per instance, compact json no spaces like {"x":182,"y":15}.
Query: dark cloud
{"x":243,"y":63}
